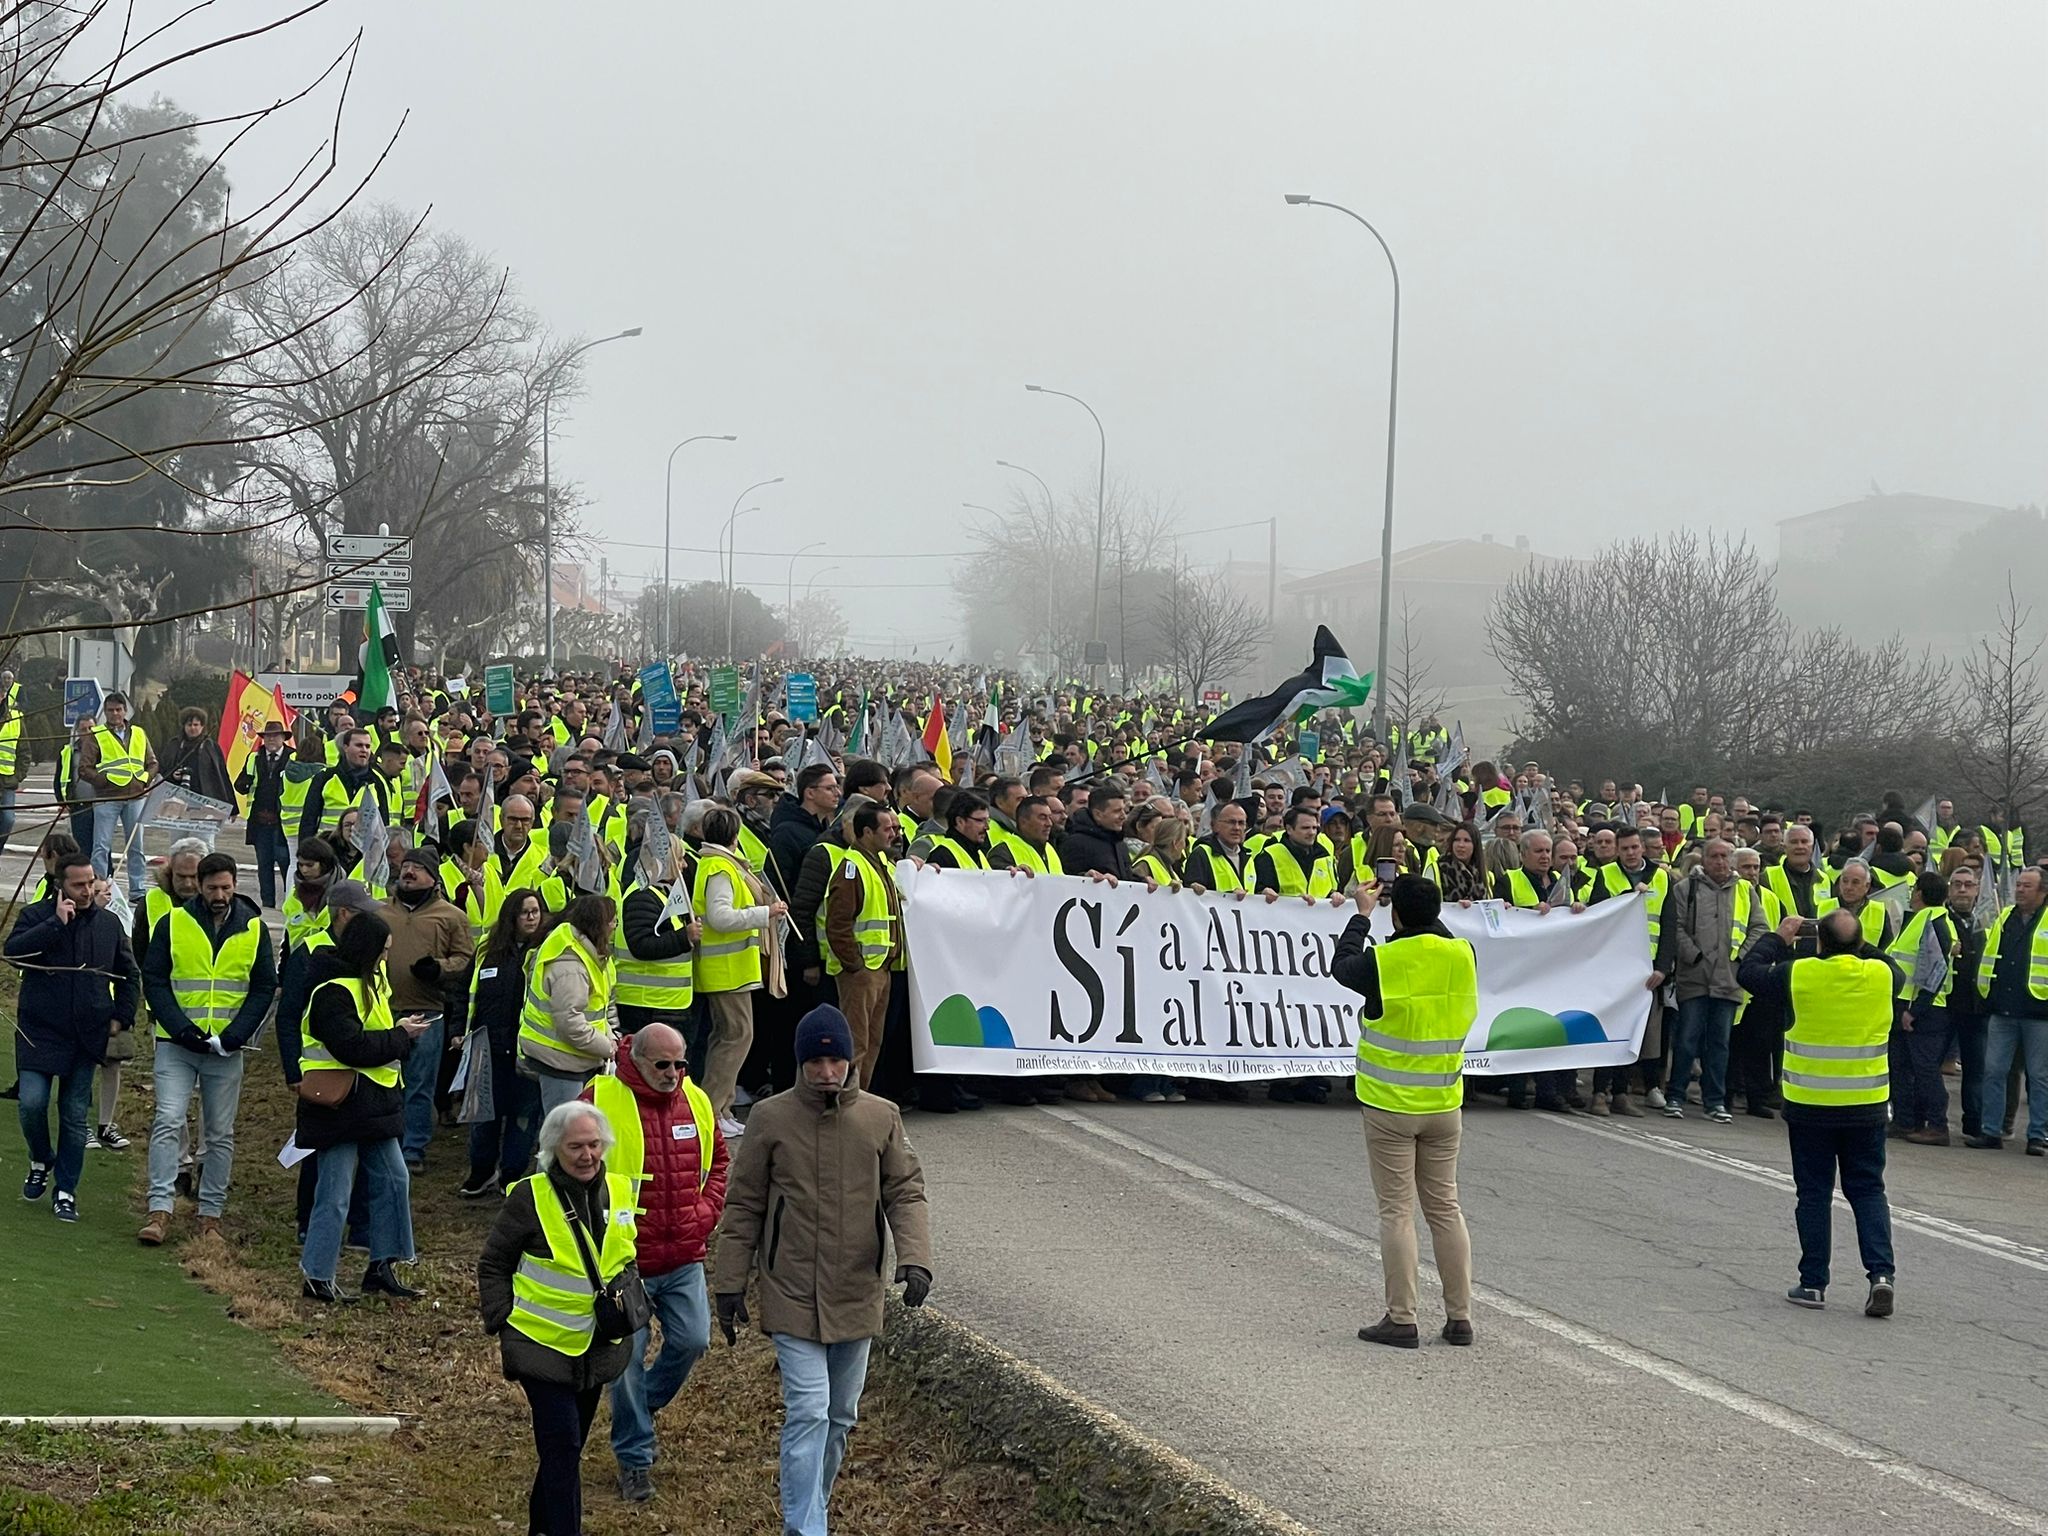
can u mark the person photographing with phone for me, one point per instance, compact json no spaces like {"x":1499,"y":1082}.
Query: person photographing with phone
{"x":351,"y":1109}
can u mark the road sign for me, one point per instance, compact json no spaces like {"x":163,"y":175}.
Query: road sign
{"x":1212,"y":696}
{"x":81,"y":700}
{"x":658,"y":692}
{"x":396,"y":599}
{"x":369,"y":546}
{"x":500,"y":690}
{"x":1095,"y":653}
{"x":305,"y":690}
{"x":802,"y":695}
{"x":386,"y":572}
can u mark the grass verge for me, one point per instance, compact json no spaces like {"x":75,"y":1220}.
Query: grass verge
{"x":464,"y":1458}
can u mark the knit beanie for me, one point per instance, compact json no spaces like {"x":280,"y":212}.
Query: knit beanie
{"x":823,"y":1032}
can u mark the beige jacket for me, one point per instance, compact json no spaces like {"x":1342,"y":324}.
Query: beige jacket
{"x":566,"y":984}
{"x":811,"y":1189}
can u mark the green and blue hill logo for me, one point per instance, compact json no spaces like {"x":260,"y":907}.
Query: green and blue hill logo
{"x":957,"y":1021}
{"x":1528,"y":1029}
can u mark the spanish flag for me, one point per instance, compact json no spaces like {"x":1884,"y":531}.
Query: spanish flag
{"x":936,"y":739}
{"x":250,"y":706}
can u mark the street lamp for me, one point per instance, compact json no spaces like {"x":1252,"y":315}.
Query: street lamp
{"x":1101,"y":480}
{"x":1051,"y":549}
{"x":547,"y":495}
{"x":789,"y":576}
{"x":807,"y":594}
{"x":732,"y":557}
{"x":668,"y":481}
{"x":1379,"y":681}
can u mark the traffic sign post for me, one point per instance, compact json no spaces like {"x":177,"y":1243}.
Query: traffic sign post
{"x":802,"y":695}
{"x":369,"y":546}
{"x":384,"y":571}
{"x":725,"y":691}
{"x":500,"y":690}
{"x":81,"y":700}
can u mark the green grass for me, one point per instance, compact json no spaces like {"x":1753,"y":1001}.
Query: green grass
{"x":96,"y":1323}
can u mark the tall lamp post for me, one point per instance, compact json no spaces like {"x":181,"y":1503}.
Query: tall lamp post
{"x":1101,"y":482}
{"x":732,"y":558}
{"x":1379,"y":681}
{"x":668,"y":485}
{"x":1051,"y":551}
{"x":547,"y":494}
{"x":789,"y":576}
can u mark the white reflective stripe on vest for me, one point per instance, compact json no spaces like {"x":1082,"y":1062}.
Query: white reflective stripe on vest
{"x":1408,"y":1047}
{"x":546,"y":1274}
{"x":1403,"y":1079}
{"x":1879,"y":1052}
{"x":729,"y":947}
{"x":1814,"y":1081}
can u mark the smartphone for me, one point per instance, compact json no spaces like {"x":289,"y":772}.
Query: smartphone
{"x":1809,"y":928}
{"x":1385,"y":870}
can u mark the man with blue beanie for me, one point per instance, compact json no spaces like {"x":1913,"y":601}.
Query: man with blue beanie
{"x":815,"y":1164}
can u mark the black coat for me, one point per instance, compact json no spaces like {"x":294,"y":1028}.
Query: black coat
{"x":1087,"y":847}
{"x":497,"y":997}
{"x":790,"y":836}
{"x":76,"y":979}
{"x":371,"y":1112}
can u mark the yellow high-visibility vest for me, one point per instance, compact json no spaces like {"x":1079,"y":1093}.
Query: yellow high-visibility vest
{"x":628,"y":1156}
{"x":536,"y":1021}
{"x":874,"y":927}
{"x":1838,"y":1048}
{"x":211,"y":985}
{"x":2037,"y":959}
{"x":668,"y":985}
{"x":553,"y":1302}
{"x":373,"y":1007}
{"x":1411,"y":1060}
{"x":727,"y":960}
{"x":121,"y":765}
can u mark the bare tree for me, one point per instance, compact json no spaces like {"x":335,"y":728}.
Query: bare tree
{"x":1411,"y":698}
{"x":815,"y":626}
{"x":119,"y":251}
{"x":2002,"y":750}
{"x":1205,"y":629}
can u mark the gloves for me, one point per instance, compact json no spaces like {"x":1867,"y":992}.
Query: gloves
{"x":215,"y":1044}
{"x":917,"y":1284}
{"x":193,"y":1040}
{"x":732,"y":1313}
{"x":427,"y":968}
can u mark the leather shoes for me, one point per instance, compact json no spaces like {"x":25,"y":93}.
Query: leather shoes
{"x":1928,"y":1136}
{"x":1457,"y":1330}
{"x":1387,"y":1331}
{"x":380,"y":1280}
{"x":327,"y":1291}
{"x":1987,"y":1143}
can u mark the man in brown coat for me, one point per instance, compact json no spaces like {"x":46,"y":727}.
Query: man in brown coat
{"x":431,"y":950}
{"x":862,"y":957}
{"x":820,"y":1169}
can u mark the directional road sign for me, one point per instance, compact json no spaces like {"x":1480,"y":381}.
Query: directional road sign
{"x":391,"y":575}
{"x":369,"y":546}
{"x":396,"y":599}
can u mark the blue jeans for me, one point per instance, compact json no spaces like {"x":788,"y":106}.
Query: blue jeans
{"x":2004,"y":1036}
{"x":273,"y":861}
{"x":504,"y":1145}
{"x":422,"y":1071}
{"x":1702,"y":1035}
{"x":6,"y":813}
{"x":820,"y":1400}
{"x":1923,"y":1098}
{"x":556,"y":1091}
{"x":126,"y":815}
{"x":390,"y":1195}
{"x":74,"y":1110}
{"x":218,"y":1081}
{"x":645,"y":1390}
{"x":1817,"y":1148}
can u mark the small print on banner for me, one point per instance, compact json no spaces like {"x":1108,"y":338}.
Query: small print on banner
{"x":1011,"y":977}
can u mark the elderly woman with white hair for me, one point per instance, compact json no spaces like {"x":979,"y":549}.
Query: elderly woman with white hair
{"x":560,"y":1237}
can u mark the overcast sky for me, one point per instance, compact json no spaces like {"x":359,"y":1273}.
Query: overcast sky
{"x":1661,"y":264}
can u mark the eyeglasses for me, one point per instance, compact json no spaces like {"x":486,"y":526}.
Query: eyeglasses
{"x":667,"y":1066}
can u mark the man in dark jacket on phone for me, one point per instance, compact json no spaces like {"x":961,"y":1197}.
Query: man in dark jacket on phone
{"x":78,"y":984}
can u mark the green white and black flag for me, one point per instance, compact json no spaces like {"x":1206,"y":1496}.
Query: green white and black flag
{"x":1328,"y":682}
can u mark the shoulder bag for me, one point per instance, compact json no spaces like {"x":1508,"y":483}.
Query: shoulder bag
{"x":621,"y":1307}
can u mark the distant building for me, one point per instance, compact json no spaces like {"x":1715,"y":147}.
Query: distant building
{"x":1860,"y":541}
{"x":1447,"y":585}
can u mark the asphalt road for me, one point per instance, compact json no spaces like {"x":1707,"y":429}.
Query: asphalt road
{"x":1201,"y":1271}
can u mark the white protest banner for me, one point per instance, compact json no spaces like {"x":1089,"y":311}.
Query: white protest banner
{"x":1011,"y":976}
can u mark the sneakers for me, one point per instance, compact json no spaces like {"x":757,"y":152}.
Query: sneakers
{"x":92,"y":1138}
{"x":1879,"y":1303}
{"x":2036,"y":1147}
{"x":1720,"y":1116}
{"x":476,"y":1186}
{"x":1654,"y":1098}
{"x":1151,"y":1098}
{"x":37,"y":1181}
{"x":1812,"y":1297}
{"x":740,"y":1097}
{"x":1599,"y":1106}
{"x":1175,"y":1096}
{"x":154,"y":1230}
{"x":1457,"y":1330}
{"x":1674,"y":1111}
{"x":730,"y":1128}
{"x":111,"y":1139}
{"x":1623,"y":1105}
{"x":66,"y":1206}
{"x":636,"y":1485}
{"x":1387,"y":1331}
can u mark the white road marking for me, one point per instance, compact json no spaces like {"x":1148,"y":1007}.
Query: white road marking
{"x":1760,"y":1410}
{"x":1990,"y":1244}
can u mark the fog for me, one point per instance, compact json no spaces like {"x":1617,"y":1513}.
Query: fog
{"x":1660,"y":266}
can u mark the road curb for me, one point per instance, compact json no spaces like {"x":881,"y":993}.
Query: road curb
{"x":306,"y":1424}
{"x":1090,"y":1465}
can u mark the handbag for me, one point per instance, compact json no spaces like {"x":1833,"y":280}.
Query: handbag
{"x":327,"y":1086}
{"x":620,"y":1306}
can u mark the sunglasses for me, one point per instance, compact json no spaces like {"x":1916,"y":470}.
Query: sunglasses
{"x":667,"y":1066}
